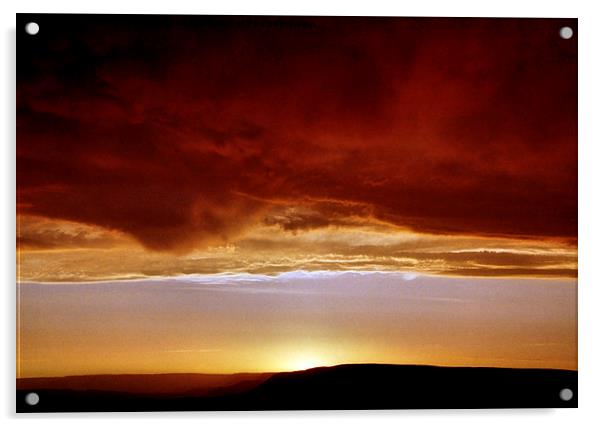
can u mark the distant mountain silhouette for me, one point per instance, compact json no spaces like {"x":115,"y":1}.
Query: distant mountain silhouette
{"x":176,"y":384}
{"x":359,"y":386}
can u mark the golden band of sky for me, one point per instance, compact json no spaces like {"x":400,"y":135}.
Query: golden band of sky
{"x":53,"y":250}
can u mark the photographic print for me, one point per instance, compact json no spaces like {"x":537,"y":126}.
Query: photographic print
{"x":295,"y":213}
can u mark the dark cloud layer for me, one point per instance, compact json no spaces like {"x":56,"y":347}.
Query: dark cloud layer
{"x":183,"y":131}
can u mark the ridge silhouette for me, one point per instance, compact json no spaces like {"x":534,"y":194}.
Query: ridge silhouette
{"x":354,"y":386}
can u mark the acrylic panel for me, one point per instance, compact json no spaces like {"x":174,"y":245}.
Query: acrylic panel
{"x":284,"y":213}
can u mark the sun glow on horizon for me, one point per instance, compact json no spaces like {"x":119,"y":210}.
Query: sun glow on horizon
{"x":303,"y":361}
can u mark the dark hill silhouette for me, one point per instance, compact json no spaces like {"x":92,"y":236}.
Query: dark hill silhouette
{"x":360,"y":386}
{"x":405,"y":386}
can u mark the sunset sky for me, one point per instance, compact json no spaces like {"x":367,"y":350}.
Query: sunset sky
{"x":227,"y":194}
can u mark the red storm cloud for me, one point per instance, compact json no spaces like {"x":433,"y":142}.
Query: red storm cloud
{"x":183,"y":131}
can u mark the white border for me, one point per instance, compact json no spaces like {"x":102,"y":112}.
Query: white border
{"x":590,"y":212}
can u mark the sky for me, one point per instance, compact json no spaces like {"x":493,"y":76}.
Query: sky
{"x":358,"y":151}
{"x":292,"y":321}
